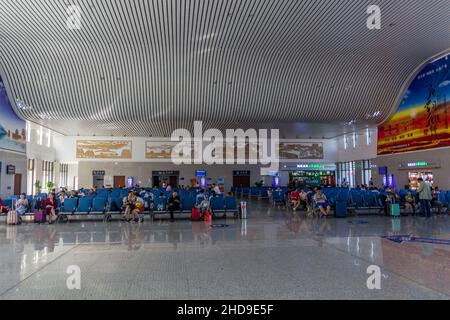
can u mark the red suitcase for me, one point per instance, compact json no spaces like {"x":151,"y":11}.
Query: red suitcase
{"x":39,"y":216}
{"x":195,"y":214}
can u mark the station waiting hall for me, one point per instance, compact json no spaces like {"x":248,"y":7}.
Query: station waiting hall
{"x":223,"y":150}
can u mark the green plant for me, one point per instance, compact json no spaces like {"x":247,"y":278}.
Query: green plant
{"x":38,"y":186}
{"x":49,"y":186}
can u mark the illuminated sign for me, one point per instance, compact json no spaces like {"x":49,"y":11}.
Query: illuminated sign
{"x":417,"y":164}
{"x":311,"y":166}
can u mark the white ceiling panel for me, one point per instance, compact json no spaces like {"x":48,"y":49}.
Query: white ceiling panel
{"x":145,"y":68}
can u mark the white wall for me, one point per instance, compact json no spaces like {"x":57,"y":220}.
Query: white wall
{"x":441,"y":175}
{"x":65,"y":148}
{"x":142,"y":171}
{"x":141,"y":168}
{"x":362,"y":151}
{"x":7,"y":180}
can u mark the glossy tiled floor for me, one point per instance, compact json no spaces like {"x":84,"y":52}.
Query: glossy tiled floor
{"x":271,"y":255}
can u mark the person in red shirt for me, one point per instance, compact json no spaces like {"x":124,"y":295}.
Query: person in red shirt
{"x":3,"y":208}
{"x":50,"y":206}
{"x":295,"y":199}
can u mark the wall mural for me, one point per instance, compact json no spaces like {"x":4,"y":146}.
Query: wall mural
{"x":103,"y":149}
{"x":159,"y":149}
{"x":421,"y":121}
{"x":300,"y":150}
{"x":12,"y":128}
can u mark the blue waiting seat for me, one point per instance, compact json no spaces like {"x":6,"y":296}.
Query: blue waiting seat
{"x":254,"y":192}
{"x":84,"y":205}
{"x":231,"y":205}
{"x":98,"y":205}
{"x":160,"y":205}
{"x":264,"y":194}
{"x":187,"y":204}
{"x":69,"y":206}
{"x":217,"y":205}
{"x":115,"y":205}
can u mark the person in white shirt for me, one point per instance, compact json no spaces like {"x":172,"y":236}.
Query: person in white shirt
{"x":216,"y":189}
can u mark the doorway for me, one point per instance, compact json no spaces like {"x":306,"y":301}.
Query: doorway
{"x":17,"y":183}
{"x":241,"y":181}
{"x":98,"y":181}
{"x":173,"y":181}
{"x":119,"y":181}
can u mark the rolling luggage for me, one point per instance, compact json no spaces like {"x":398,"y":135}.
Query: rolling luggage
{"x":208,"y":216}
{"x":12,"y":218}
{"x":195,"y":214}
{"x":39,"y":216}
{"x":394,"y":210}
{"x":341,"y":209}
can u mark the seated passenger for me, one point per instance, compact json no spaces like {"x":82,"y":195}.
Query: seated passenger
{"x":62,"y":197}
{"x":72,"y":195}
{"x":3,"y":208}
{"x":149,"y":200}
{"x":303,"y":197}
{"x":139,"y":207}
{"x":174,"y":204}
{"x":129,"y":206}
{"x":204,"y":205}
{"x":435,"y":202}
{"x":410,"y":203}
{"x":213,"y":195}
{"x":200,"y":196}
{"x":50,"y":207}
{"x":21,"y":204}
{"x":295,"y":200}
{"x":321,"y":202}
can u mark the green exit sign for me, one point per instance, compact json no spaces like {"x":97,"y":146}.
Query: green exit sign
{"x":418,"y":164}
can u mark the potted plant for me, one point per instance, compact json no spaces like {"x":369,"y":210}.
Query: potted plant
{"x":49,"y":186}
{"x":38,"y":186}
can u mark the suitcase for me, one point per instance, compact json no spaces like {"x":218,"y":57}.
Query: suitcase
{"x":341,"y":209}
{"x":39,"y":216}
{"x":12,"y":218}
{"x":394,"y":210}
{"x":208,"y":216}
{"x":195,"y":214}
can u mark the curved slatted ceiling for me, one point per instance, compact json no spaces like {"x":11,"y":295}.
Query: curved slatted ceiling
{"x":144,"y":68}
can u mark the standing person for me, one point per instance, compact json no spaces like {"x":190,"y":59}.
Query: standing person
{"x":50,"y":207}
{"x":174,"y":204}
{"x":424,"y":192}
